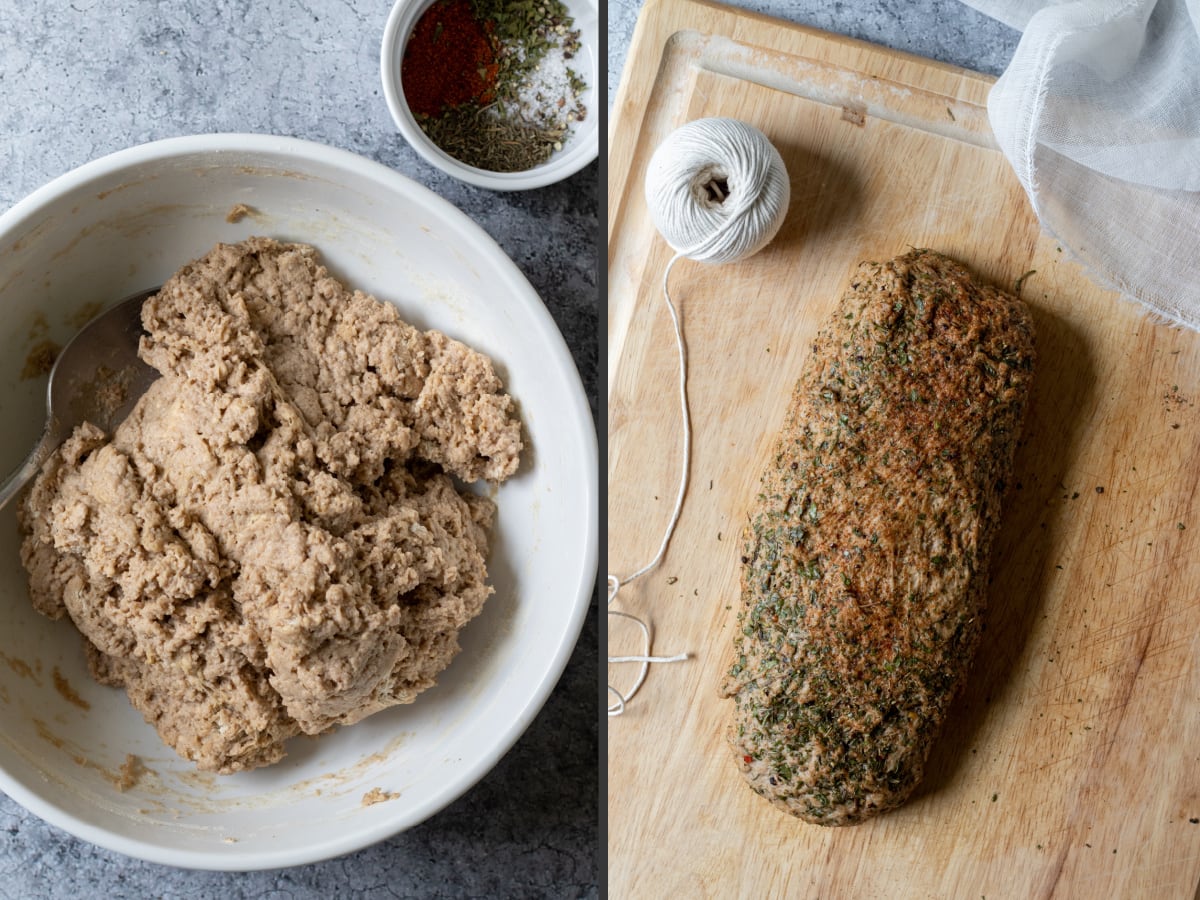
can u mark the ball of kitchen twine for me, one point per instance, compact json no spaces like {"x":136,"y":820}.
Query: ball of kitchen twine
{"x":717,"y":190}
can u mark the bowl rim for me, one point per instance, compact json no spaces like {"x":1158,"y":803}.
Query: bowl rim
{"x":576,"y":418}
{"x":391,"y":51}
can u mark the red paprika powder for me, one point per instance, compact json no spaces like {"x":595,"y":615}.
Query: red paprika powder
{"x":449,"y":60}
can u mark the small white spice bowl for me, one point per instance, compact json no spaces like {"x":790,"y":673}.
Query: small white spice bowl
{"x":580,"y":147}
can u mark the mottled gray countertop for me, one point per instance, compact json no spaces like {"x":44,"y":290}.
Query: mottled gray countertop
{"x":82,"y":79}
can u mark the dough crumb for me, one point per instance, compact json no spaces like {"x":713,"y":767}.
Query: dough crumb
{"x":20,"y":667}
{"x":378,"y":795}
{"x":85,"y":313}
{"x":132,"y":771}
{"x":239,"y":212}
{"x":110,"y":391}
{"x":40,"y":359}
{"x":66,"y":691}
{"x":276,"y":540}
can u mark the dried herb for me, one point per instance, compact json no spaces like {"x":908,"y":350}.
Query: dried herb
{"x":528,"y":97}
{"x":486,"y":141}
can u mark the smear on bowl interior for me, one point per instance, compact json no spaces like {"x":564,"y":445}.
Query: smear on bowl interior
{"x":273,"y":542}
{"x":493,"y":82}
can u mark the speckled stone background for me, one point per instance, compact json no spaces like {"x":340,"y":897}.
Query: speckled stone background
{"x":84,"y":78}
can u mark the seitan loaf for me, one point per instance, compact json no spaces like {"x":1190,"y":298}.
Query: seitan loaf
{"x":865,"y":559}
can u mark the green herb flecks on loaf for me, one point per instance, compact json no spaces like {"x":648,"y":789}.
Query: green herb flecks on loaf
{"x":866,"y":557}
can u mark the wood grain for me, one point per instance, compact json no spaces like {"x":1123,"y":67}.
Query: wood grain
{"x":1070,"y":767}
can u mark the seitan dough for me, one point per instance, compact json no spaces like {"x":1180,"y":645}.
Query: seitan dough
{"x":272,"y":542}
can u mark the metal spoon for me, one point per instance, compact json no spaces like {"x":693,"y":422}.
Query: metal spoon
{"x":97,"y":378}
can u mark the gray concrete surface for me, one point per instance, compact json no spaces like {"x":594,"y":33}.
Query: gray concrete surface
{"x":84,"y":78}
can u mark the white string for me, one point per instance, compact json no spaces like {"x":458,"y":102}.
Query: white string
{"x":718,"y":192}
{"x":615,"y":583}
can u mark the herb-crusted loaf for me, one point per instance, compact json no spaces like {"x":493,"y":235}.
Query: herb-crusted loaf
{"x":865,"y":561}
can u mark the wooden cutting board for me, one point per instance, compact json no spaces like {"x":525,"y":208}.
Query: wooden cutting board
{"x":1070,"y":767}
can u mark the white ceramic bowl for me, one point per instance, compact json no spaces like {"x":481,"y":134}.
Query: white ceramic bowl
{"x":581,"y":149}
{"x":127,"y":222}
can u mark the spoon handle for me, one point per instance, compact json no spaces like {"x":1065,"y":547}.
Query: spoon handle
{"x":50,"y":441}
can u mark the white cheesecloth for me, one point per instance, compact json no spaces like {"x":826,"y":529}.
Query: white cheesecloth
{"x":1099,"y":114}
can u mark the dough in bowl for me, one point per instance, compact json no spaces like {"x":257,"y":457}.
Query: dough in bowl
{"x":273,"y":542}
